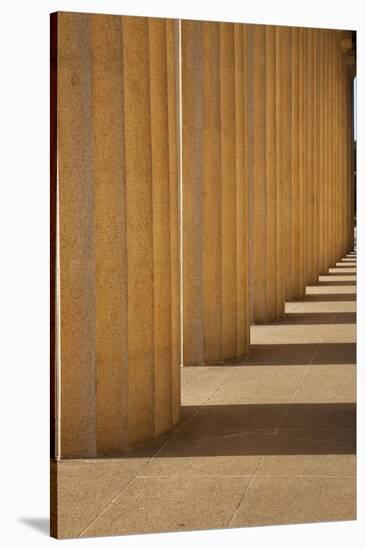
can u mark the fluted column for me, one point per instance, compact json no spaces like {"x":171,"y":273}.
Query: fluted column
{"x":288,"y":190}
{"x":256,"y":140}
{"x":265,"y":171}
{"x":272,"y":92}
{"x":117,"y":331}
{"x":215,"y":225}
{"x":295,"y":165}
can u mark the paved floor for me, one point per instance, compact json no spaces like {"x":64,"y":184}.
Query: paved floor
{"x":268,"y":441}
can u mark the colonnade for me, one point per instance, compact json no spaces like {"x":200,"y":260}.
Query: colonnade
{"x":261,"y":225}
{"x":266,"y":205}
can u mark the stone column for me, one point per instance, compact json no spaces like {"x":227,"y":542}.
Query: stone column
{"x":289,"y":212}
{"x":275,"y":66}
{"x":256,"y":140}
{"x":295,"y":164}
{"x":117,"y":330}
{"x":272,"y":289}
{"x":310,"y":180}
{"x":215,"y":263}
{"x":302,"y":162}
{"x":322,"y":156}
{"x":316,"y":149}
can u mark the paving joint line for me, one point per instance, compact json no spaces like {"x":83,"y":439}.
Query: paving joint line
{"x":245,"y":492}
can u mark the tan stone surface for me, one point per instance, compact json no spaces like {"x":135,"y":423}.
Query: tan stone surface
{"x":85,"y":488}
{"x":198,"y":384}
{"x":215,"y":266}
{"x":280,"y":354}
{"x":212,"y":229}
{"x":256,"y":112}
{"x":214,"y":421}
{"x":295,"y":159}
{"x":328,"y":384}
{"x":267,"y":209}
{"x":323,"y":306}
{"x":228,"y":456}
{"x":256,"y":384}
{"x":310,"y":333}
{"x":77,"y":263}
{"x":274,"y":115}
{"x":312,"y":453}
{"x":110,"y":236}
{"x":172,"y":504}
{"x":335,"y":354}
{"x":118,"y":333}
{"x":278,"y":500}
{"x":255,"y":439}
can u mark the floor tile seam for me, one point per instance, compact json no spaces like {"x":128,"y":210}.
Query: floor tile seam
{"x":315,"y":476}
{"x":248,"y":431}
{"x":313,"y":440}
{"x":122,"y":490}
{"x":232,"y":372}
{"x":292,"y":400}
{"x":245,"y":493}
{"x":258,"y":474}
{"x":316,"y":346}
{"x":194,"y":476}
{"x":320,"y":430}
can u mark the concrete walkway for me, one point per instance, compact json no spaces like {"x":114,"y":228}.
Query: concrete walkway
{"x":268,"y":441}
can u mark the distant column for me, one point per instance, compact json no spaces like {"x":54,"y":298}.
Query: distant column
{"x":215,"y":219}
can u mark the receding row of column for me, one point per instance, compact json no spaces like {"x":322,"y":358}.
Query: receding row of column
{"x":293,"y":123}
{"x":117,"y":311}
{"x":267,"y":205}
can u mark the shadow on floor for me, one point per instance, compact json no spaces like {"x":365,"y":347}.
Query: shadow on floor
{"x":256,"y":430}
{"x":334,"y":283}
{"x":300,"y":354}
{"x":247,"y":430}
{"x":39,"y":524}
{"x":329,"y":297}
{"x":334,"y":318}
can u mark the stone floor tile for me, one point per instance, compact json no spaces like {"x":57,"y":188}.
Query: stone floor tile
{"x":337,"y":289}
{"x":350,"y":263}
{"x":259,"y":384}
{"x":335,"y":354}
{"x":345,"y":317}
{"x":307,"y":318}
{"x":328,"y":384}
{"x":309,"y":334}
{"x":294,"y":334}
{"x":280,"y":354}
{"x":337,"y":332}
{"x":337,"y":278}
{"x":86,"y":487}
{"x":186,"y":412}
{"x":216,"y":421}
{"x":325,"y":306}
{"x":310,"y":452}
{"x":258,"y":334}
{"x":199,"y":383}
{"x":320,"y":416}
{"x":227,"y":455}
{"x":183,"y":503}
{"x":284,"y":500}
{"x":342,"y":270}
